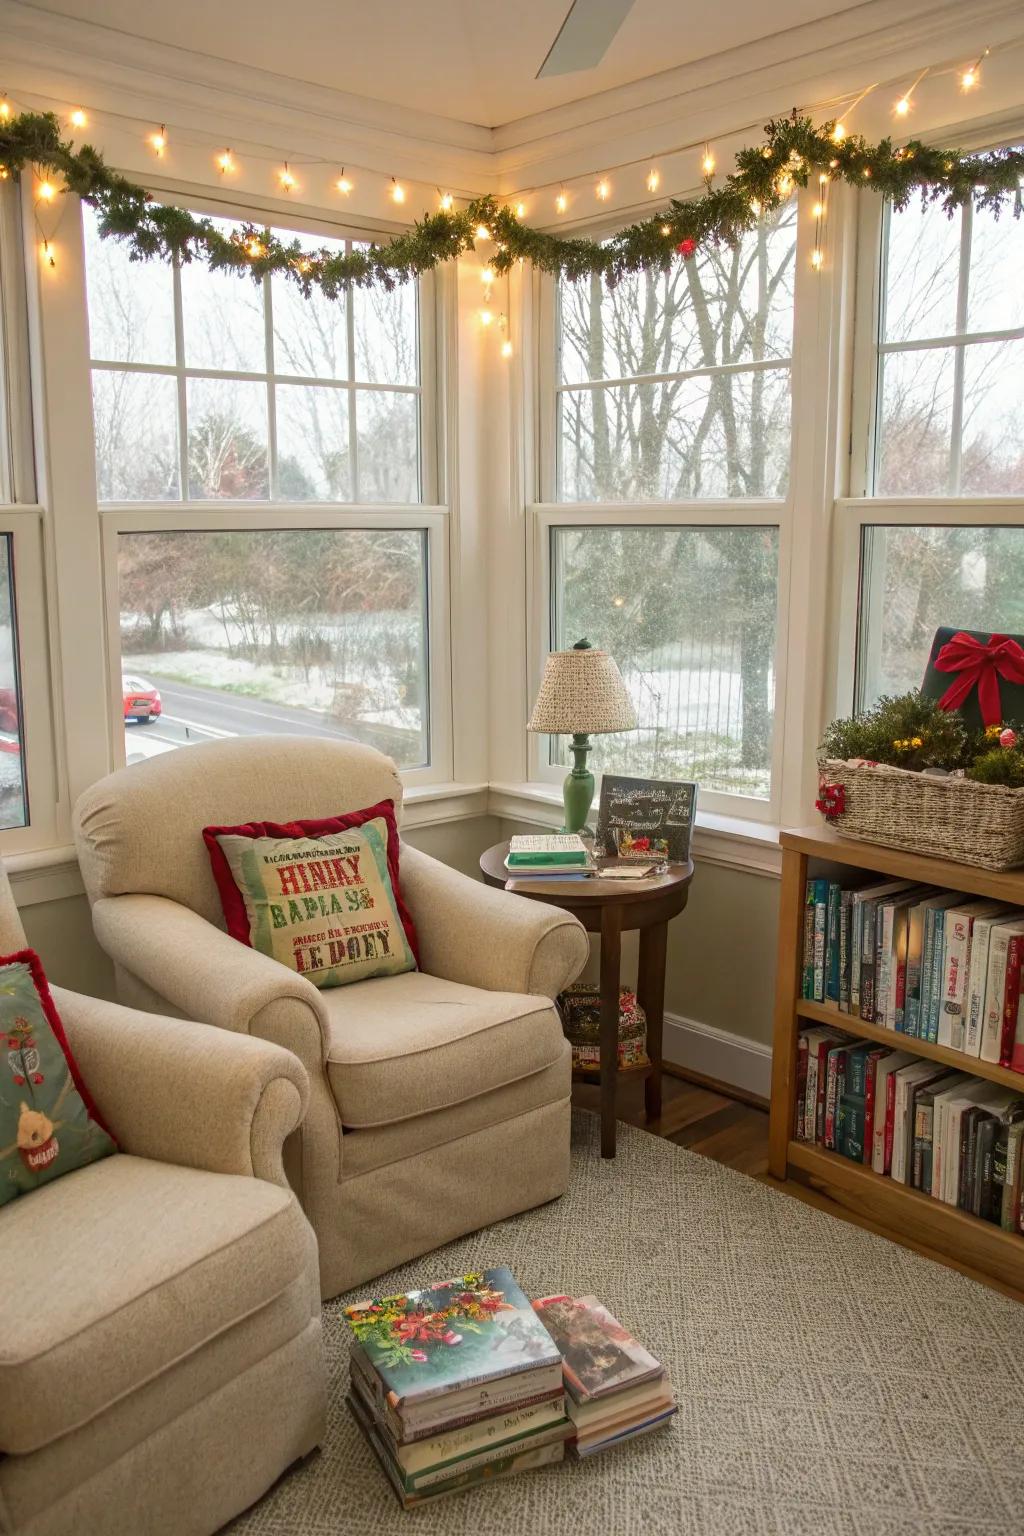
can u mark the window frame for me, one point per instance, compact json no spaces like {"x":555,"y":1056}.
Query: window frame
{"x":861,"y":509}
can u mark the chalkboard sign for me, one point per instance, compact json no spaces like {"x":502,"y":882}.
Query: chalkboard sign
{"x":645,"y":819}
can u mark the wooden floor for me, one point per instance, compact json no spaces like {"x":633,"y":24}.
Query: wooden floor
{"x":693,"y":1116}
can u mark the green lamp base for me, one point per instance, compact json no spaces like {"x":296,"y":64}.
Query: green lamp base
{"x":578,"y":789}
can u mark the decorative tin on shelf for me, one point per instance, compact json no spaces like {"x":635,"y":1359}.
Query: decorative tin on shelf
{"x":945,"y":816}
{"x":580,"y":1007}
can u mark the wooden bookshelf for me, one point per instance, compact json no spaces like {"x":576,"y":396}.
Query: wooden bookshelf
{"x":905,"y":1214}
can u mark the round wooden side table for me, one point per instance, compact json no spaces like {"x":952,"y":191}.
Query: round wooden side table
{"x":611,"y":908}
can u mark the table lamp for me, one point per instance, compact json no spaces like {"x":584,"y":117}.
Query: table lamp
{"x":581,"y":695}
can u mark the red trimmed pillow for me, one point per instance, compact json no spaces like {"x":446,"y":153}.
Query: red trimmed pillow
{"x":49,"y":1125}
{"x":321,"y":896}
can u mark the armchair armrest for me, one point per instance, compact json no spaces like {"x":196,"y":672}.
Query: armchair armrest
{"x":207,"y":975}
{"x":472,"y":933}
{"x":183,"y":1093}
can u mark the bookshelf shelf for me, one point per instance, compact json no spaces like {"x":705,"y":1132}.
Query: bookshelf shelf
{"x":901,"y":1212}
{"x":853,"y":1024}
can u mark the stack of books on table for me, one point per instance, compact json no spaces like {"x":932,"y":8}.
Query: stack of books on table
{"x":616,"y":1389}
{"x":456,"y":1385}
{"x":562,"y":856}
{"x":926,"y":963}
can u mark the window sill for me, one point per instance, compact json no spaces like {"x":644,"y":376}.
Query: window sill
{"x":733,"y":842}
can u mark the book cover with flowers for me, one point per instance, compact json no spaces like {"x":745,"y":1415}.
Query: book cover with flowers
{"x":477,"y":1327}
{"x":598,"y":1354}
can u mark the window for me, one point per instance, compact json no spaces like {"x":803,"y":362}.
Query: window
{"x":950,"y":394}
{"x":689,"y":615}
{"x":672,"y":391}
{"x":207,"y":386}
{"x":13,"y":792}
{"x":317,"y":632}
{"x":675,"y":385}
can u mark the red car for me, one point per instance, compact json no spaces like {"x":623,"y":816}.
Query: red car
{"x":141,"y":700}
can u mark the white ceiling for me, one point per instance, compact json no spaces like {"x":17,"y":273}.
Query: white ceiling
{"x":471,"y":60}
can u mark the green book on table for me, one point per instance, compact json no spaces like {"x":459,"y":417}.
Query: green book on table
{"x":562,"y":850}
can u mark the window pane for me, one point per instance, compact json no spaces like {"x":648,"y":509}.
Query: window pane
{"x":712,"y":435}
{"x":915,"y":423}
{"x":922,"y":272}
{"x":916,"y":579}
{"x":995,"y":293}
{"x":223,"y":317}
{"x":387,"y":422}
{"x":311,"y":633}
{"x":227,"y":439}
{"x":690,"y":616}
{"x":313,"y":456}
{"x":131,"y":303}
{"x":386,"y":335}
{"x":993,"y":433}
{"x":310,"y":335}
{"x":135,"y":419}
{"x":13,"y":793}
{"x":723,"y":306}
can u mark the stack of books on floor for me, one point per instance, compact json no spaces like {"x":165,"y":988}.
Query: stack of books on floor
{"x":562,"y":856}
{"x":930,"y":964}
{"x":956,"y":1137}
{"x":456,"y":1385}
{"x":616,"y":1389}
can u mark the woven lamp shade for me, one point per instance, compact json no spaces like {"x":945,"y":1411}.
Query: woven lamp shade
{"x":582,"y":693}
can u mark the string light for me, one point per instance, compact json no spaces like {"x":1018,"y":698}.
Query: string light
{"x":520,"y":210}
{"x":4,"y":173}
{"x":225,"y":162}
{"x":816,"y":259}
{"x":482,"y":232}
{"x":486,"y":317}
{"x":666,"y":229}
{"x":445,"y":201}
{"x":343,"y":184}
{"x":397,"y":191}
{"x":254,"y":248}
{"x":561,"y":202}
{"x":287,"y":180}
{"x":602,"y":191}
{"x":78,"y":118}
{"x":817,"y":210}
{"x":823,"y":178}
{"x":506,"y":348}
{"x":47,"y":191}
{"x":158,"y":140}
{"x":784,"y":184}
{"x":5,"y":109}
{"x":487,"y":275}
{"x":902,"y":107}
{"x":970,"y":77}
{"x":653,"y":179}
{"x":46,"y":251}
{"x":838,"y":133}
{"x":707,"y":165}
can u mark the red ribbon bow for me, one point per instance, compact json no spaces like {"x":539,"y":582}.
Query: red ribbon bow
{"x":981,"y":665}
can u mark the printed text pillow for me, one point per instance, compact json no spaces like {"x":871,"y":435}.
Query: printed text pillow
{"x":48,"y":1123}
{"x":320,"y":896}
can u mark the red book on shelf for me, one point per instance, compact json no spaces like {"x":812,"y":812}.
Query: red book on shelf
{"x":1011,"y":1000}
{"x":890,"y":1117}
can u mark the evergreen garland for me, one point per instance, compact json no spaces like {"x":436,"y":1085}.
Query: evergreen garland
{"x":794,"y":152}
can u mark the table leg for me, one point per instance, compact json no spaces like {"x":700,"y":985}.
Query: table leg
{"x":650,"y":992}
{"x":611,"y":953}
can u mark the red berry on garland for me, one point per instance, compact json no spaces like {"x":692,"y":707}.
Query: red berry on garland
{"x":1008,"y":738}
{"x":686,"y":248}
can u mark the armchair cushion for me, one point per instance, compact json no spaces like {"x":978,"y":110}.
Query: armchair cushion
{"x":49,"y":1125}
{"x":415,"y":1043}
{"x":117,"y":1272}
{"x":322,"y":897}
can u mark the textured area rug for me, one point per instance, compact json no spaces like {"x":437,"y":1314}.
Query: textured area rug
{"x":830,"y":1382}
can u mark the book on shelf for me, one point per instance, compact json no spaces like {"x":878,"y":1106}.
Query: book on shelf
{"x":616,"y":1388}
{"x":456,"y":1383}
{"x":946,"y":1132}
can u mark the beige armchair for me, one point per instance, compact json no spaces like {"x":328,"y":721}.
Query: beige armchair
{"x":160,"y":1349}
{"x":439,"y":1099}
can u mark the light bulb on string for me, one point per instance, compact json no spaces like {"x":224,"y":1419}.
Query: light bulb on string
{"x":707,"y":165}
{"x":970,"y":77}
{"x":603,"y":190}
{"x":445,"y":201}
{"x":254,"y":248}
{"x":225,"y":162}
{"x":486,"y":317}
{"x":818,"y":210}
{"x":343,"y":185}
{"x":397,"y":191}
{"x":561,"y":202}
{"x":5,"y":109}
{"x":653,"y":179}
{"x":520,"y":210}
{"x":506,"y":348}
{"x":46,"y":251}
{"x":838,"y":133}
{"x":902,"y":107}
{"x":481,"y":232}
{"x":158,"y":140}
{"x":666,"y":229}
{"x":487,"y":276}
{"x":47,"y":191}
{"x":78,"y":118}
{"x":817,"y":259}
{"x":286,"y":179}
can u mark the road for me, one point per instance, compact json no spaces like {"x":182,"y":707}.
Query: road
{"x":203,"y":714}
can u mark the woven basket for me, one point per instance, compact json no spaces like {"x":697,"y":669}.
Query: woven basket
{"x":949,"y":818}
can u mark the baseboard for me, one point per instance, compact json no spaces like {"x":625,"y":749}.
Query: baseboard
{"x":717,"y":1053}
